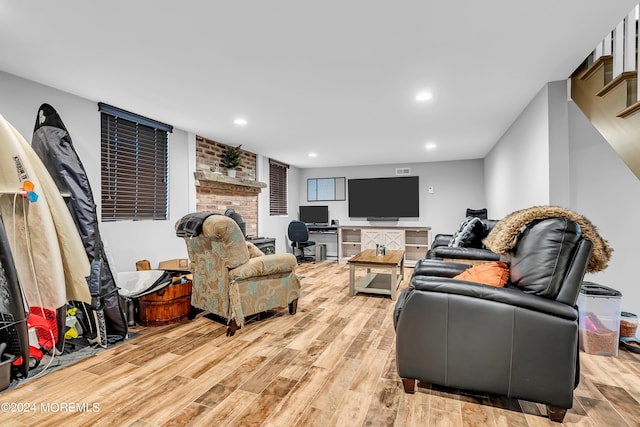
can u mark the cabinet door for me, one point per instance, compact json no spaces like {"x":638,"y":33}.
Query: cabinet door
{"x":394,"y":239}
{"x":371,"y":238}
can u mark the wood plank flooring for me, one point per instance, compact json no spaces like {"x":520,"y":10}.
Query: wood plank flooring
{"x":331,"y":364}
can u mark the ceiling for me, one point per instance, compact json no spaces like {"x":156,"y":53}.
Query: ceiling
{"x":337,"y":78}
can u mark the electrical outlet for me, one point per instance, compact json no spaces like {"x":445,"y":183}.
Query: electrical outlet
{"x":430,"y":189}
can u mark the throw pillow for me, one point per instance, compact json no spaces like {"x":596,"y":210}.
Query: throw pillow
{"x":495,"y":273}
{"x":469,"y":234}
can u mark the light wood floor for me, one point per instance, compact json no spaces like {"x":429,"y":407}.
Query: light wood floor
{"x":331,"y":364}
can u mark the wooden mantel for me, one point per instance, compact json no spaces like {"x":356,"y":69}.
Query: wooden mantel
{"x":217,"y":180}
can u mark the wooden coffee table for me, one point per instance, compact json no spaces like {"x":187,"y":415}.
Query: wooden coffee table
{"x":377,"y":283}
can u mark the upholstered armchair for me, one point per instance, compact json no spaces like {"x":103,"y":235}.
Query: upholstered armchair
{"x":232,"y":278}
{"x":519,"y":341}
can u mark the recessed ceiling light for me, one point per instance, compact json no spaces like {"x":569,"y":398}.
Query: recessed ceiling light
{"x":430,"y":146}
{"x":313,"y":155}
{"x":240,"y":121}
{"x":424,"y":96}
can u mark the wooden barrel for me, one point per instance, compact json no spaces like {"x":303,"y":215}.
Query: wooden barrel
{"x":166,"y":306}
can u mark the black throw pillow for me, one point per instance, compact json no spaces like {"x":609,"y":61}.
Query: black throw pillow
{"x":469,"y":234}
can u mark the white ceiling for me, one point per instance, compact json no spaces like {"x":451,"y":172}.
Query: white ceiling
{"x":338,"y":78}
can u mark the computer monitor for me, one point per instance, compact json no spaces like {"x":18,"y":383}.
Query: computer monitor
{"x":314,"y":214}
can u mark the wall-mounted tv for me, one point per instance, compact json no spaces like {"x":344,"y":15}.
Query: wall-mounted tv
{"x":384,"y":198}
{"x":314,"y":214}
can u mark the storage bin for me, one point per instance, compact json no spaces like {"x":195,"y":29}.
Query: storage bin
{"x":5,"y":370}
{"x":166,"y":306}
{"x":628,"y":324}
{"x":599,"y":308}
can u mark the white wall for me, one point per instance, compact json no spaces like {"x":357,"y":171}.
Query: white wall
{"x":579,"y":170}
{"x":276,"y":226}
{"x":458,"y":185}
{"x":608,"y":193}
{"x":517,"y":167}
{"x":128,"y":241}
{"x":559,"y":171}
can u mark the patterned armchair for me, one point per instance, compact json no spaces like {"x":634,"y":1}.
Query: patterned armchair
{"x":233,"y":279}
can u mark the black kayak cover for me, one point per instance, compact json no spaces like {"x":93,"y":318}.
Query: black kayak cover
{"x":13,"y":315}
{"x":52,"y":143}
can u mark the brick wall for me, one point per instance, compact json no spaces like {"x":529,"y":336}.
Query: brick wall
{"x":216,"y":196}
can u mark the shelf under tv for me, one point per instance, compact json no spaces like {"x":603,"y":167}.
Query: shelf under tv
{"x":352,"y":239}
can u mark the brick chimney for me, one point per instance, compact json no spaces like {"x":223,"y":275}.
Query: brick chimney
{"x":217,"y":193}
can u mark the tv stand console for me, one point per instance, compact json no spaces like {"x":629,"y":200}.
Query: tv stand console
{"x":353,"y":239}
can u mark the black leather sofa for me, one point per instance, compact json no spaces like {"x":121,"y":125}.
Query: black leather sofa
{"x":472,"y":251}
{"x":520,"y":341}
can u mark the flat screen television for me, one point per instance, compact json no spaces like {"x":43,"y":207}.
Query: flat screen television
{"x":384,"y":198}
{"x":314,"y":214}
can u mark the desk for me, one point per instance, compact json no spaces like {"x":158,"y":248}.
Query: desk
{"x":318,"y":233}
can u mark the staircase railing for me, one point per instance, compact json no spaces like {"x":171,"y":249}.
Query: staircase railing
{"x":621,"y":44}
{"x":605,"y":87}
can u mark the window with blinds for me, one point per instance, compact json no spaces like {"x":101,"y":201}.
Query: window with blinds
{"x":134,"y":166}
{"x":277,"y":188}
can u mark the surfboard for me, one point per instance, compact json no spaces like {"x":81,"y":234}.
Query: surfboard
{"x":13,"y":319}
{"x":74,"y":260}
{"x":30,"y":229}
{"x":52,"y":143}
{"x":75,"y":263}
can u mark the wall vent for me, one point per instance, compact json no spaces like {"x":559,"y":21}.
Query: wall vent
{"x":403,"y":171}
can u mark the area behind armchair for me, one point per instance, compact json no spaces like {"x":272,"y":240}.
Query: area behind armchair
{"x":231,"y":283}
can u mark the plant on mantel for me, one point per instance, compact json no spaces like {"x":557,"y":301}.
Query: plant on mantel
{"x":231,"y":159}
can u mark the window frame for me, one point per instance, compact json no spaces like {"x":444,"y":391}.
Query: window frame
{"x":338,"y":185}
{"x":134,"y":161}
{"x":278,"y":188}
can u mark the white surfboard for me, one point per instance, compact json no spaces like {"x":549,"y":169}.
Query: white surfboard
{"x":30,"y":228}
{"x":74,"y":257}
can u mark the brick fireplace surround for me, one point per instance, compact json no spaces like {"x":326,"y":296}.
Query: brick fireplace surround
{"x":217,"y":196}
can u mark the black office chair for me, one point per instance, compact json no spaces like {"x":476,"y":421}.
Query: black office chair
{"x":299,"y":236}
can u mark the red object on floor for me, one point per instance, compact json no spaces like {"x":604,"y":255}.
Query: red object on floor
{"x":46,"y":327}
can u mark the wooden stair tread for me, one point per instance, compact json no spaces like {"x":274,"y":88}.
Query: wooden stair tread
{"x":588,"y":88}
{"x":621,"y":78}
{"x":629,"y":111}
{"x":606,"y":60}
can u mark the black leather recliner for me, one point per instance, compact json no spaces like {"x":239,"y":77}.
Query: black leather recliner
{"x":520,"y":341}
